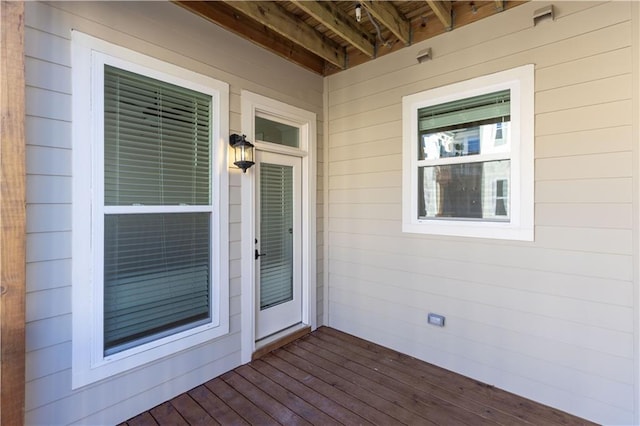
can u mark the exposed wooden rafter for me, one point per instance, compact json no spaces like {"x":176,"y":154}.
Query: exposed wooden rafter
{"x":325,"y":36}
{"x":273,"y":17}
{"x":442,"y":9}
{"x":221,"y":14}
{"x":336,"y":20}
{"x":389,"y":16}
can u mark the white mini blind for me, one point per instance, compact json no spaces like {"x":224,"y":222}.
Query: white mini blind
{"x":157,"y":142}
{"x":467,"y":112}
{"x":156,"y":275}
{"x":276,"y":237}
{"x":157,"y":265}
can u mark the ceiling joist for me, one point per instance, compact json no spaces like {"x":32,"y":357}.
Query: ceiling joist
{"x":329,"y":15}
{"x":389,"y":16}
{"x":220,"y":14}
{"x":443,"y":11}
{"x":326,"y":37}
{"x":273,"y":17}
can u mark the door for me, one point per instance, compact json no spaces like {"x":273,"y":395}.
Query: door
{"x":278,"y":244}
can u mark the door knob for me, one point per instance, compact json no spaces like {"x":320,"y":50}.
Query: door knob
{"x":258,"y":254}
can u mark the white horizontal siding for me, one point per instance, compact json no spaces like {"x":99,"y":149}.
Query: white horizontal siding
{"x":365,"y":233}
{"x":507,"y":303}
{"x":49,"y":332}
{"x":45,"y":132}
{"x":598,"y":141}
{"x":193,"y":43}
{"x":48,"y":274}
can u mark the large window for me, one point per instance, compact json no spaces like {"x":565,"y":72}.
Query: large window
{"x":150,"y":273}
{"x":468,"y":158}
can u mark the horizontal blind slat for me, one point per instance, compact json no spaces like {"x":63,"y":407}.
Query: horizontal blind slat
{"x":157,"y":135}
{"x":155,"y":265}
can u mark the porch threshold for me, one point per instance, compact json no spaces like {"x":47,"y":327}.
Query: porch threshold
{"x":329,"y":377}
{"x":280,"y":339}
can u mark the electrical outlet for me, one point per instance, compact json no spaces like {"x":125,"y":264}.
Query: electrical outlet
{"x":435,"y":319}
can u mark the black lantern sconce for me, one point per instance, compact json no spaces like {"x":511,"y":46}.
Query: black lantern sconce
{"x":242,"y":151}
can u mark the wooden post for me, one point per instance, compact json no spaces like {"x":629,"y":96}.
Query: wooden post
{"x":12,"y":214}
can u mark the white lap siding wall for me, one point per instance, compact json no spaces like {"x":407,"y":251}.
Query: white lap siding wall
{"x":554,"y":320}
{"x":165,"y":31}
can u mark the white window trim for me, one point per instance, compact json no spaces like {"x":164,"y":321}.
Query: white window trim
{"x":89,"y":363}
{"x":521,"y":182}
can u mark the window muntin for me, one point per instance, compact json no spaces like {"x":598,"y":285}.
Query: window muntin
{"x":458,"y":141}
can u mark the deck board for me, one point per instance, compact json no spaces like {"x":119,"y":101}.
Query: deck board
{"x":329,"y":377}
{"x":217,"y":408}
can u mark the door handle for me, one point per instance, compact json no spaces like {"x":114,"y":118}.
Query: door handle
{"x":258,"y":254}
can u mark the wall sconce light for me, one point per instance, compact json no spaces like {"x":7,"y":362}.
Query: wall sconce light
{"x":242,"y":151}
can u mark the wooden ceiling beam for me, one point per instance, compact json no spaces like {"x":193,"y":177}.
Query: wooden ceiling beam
{"x":226,"y":17}
{"x":389,"y":16}
{"x":275,"y":18}
{"x":332,"y":17}
{"x":442,"y":10}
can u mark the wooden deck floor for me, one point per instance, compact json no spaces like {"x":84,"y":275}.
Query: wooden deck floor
{"x":329,"y":377}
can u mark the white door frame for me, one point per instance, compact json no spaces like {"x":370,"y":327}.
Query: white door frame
{"x":252,"y":103}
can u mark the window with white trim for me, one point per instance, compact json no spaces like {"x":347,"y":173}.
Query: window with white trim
{"x":151,"y":271}
{"x":468,"y":158}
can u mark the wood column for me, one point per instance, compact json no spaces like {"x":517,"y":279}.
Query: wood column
{"x":12,"y":214}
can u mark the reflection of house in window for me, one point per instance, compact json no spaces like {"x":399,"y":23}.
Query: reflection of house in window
{"x":459,"y":190}
{"x":461,"y":159}
{"x":500,"y":137}
{"x":502,"y":195}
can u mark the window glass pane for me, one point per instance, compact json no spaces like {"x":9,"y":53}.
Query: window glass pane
{"x":465,"y":191}
{"x":276,"y":237}
{"x":156,"y":142}
{"x":274,"y":132}
{"x":483,"y":139}
{"x":470,"y":126}
{"x":156,"y":276}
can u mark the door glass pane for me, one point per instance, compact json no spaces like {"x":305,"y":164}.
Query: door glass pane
{"x":276,"y":234}
{"x":274,"y":132}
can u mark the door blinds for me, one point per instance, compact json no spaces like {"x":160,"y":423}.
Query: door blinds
{"x":276,"y":234}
